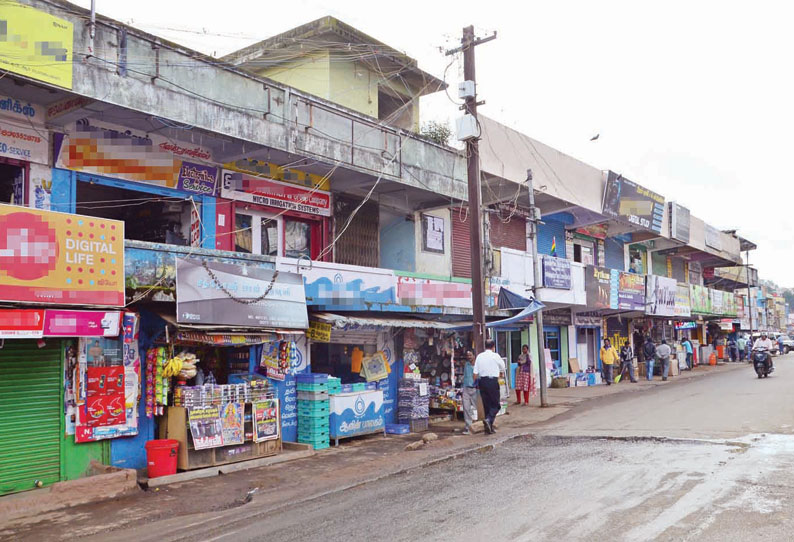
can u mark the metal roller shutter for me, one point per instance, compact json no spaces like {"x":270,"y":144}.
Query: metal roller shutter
{"x":510,"y":234}
{"x":461,"y":243}
{"x":30,"y":419}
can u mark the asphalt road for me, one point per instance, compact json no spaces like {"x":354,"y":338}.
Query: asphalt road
{"x":711,"y":459}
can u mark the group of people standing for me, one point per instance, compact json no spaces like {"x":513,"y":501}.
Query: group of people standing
{"x":651,"y":353}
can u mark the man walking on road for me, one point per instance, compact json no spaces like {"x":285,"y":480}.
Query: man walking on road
{"x":609,"y":357}
{"x":664,"y":351}
{"x":469,"y":392}
{"x":741,"y":342}
{"x":487,"y":368}
{"x":649,"y":352}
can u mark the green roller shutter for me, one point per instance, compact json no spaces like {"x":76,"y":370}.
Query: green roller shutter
{"x":30,"y":414}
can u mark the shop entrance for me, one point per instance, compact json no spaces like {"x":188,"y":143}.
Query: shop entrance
{"x":12,"y":181}
{"x":551,"y":338}
{"x":587,"y":346}
{"x":31,"y":404}
{"x":147,"y":217}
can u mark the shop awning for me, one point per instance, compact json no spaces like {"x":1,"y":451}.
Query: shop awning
{"x":339,"y":321}
{"x":524,"y":317}
{"x":228,"y":330}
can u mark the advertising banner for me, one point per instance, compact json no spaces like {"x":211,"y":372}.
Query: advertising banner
{"x":238,"y":186}
{"x":319,"y":332}
{"x":700,"y":299}
{"x":717,"y":306}
{"x":265,"y":414}
{"x":94,"y":146}
{"x":23,"y":142}
{"x":633,"y":203}
{"x":660,"y":293}
{"x":235,"y":295}
{"x":198,"y":179}
{"x":631,"y":291}
{"x":556,"y":273}
{"x":67,"y":323}
{"x":679,"y":222}
{"x":683,"y":307}
{"x":21,"y":323}
{"x":598,"y":286}
{"x":356,"y":413}
{"x":729,"y":304}
{"x":206,"y":426}
{"x":58,"y":258}
{"x":232,"y":415}
{"x":36,"y":44}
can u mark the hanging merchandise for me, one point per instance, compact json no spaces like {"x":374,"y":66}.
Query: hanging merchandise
{"x":277,"y":358}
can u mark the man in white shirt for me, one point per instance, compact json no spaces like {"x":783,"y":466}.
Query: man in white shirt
{"x":487,"y":368}
{"x":764,"y":342}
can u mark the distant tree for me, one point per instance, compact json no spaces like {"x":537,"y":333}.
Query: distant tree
{"x":439,"y":132}
{"x":789,"y":296}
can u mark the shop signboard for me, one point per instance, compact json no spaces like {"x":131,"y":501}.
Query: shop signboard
{"x":414,"y":291}
{"x":630,"y":291}
{"x":598,"y":287}
{"x":717,"y":306}
{"x":588,"y":318}
{"x":198,"y":179}
{"x":679,"y":222}
{"x":336,"y":286}
{"x":69,"y":323}
{"x":213,"y":293}
{"x":700,"y":299}
{"x":557,"y":317}
{"x":36,"y":44}
{"x":729,"y":304}
{"x":556,"y":273}
{"x":356,"y":413}
{"x":319,"y":332}
{"x":713,"y":237}
{"x":59,"y":258}
{"x":633,"y":203}
{"x":93,"y":146}
{"x":660,"y":293}
{"x":206,"y":426}
{"x":286,"y":196}
{"x":19,"y":140}
{"x":686,"y":325}
{"x":265,"y":415}
{"x":21,"y":323}
{"x":232,"y":415}
{"x":683,"y":307}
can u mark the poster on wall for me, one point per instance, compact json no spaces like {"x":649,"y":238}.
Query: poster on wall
{"x":232,"y":415}
{"x":556,"y":273}
{"x":631,"y":291}
{"x":682,"y":304}
{"x":265,"y":414}
{"x":633,"y":203}
{"x":598,"y":286}
{"x":59,"y":258}
{"x":432,"y":233}
{"x":660,"y":295}
{"x":206,"y":426}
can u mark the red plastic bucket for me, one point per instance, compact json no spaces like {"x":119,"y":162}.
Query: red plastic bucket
{"x":161,"y":457}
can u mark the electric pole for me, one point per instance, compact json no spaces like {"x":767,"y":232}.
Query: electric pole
{"x":467,"y":45}
{"x":534,"y":218}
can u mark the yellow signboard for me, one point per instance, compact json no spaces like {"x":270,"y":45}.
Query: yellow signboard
{"x":269,"y":170}
{"x":58,"y":258}
{"x":319,"y":332}
{"x":36,"y":44}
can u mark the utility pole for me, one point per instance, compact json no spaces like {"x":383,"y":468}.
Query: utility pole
{"x":467,"y":45}
{"x":534,"y":218}
{"x":749,"y":293}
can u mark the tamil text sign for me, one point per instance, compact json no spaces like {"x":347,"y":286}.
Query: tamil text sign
{"x":556,"y":273}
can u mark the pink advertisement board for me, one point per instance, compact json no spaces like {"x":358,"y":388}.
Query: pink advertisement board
{"x":68,"y":323}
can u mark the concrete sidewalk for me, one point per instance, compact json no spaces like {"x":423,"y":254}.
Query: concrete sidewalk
{"x":267,"y":489}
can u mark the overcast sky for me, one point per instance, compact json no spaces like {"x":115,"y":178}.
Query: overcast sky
{"x":692,"y":99}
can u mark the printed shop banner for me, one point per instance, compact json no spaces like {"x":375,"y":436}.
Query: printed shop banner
{"x":631,"y":291}
{"x":683,"y":307}
{"x":93,"y":146}
{"x":660,"y":295}
{"x":265,"y":415}
{"x":36,"y":44}
{"x":598,"y":287}
{"x":633,"y":203}
{"x":235,"y":295}
{"x":287,"y":196}
{"x":700,"y":299}
{"x":58,"y":258}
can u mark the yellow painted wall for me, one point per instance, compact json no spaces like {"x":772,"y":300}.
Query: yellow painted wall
{"x":354,"y":85}
{"x":310,"y":74}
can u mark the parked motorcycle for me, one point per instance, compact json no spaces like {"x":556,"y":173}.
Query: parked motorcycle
{"x":762,"y":362}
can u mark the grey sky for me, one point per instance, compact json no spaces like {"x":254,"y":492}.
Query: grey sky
{"x":692,"y":99}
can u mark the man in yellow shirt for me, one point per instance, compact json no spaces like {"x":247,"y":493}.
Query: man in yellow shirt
{"x":609,"y":356}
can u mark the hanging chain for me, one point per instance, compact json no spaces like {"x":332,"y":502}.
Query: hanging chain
{"x":230,"y":295}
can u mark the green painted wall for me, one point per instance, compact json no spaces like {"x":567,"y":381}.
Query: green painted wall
{"x":530,"y":336}
{"x":310,"y":74}
{"x":76,"y":458}
{"x":564,"y":349}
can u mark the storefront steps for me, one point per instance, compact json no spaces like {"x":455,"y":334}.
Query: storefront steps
{"x":290,"y":452}
{"x":102,"y":484}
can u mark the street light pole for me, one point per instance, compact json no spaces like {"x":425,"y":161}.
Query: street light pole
{"x":534,"y":218}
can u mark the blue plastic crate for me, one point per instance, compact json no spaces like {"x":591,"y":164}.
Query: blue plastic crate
{"x":372,"y":386}
{"x":398,"y":428}
{"x":347,"y":388}
{"x":311,"y":378}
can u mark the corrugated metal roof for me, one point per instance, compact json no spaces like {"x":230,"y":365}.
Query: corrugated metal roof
{"x":346,"y":322}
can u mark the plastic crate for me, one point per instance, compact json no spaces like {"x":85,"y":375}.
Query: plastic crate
{"x":305,"y":386}
{"x":313,"y":396}
{"x":314,"y":412}
{"x":398,"y":428}
{"x":372,"y":386}
{"x":311,"y":378}
{"x":313,"y":436}
{"x":347,"y":388}
{"x":307,"y":423}
{"x":360,"y":387}
{"x":319,"y":445}
{"x":417,"y":426}
{"x":315,"y":406}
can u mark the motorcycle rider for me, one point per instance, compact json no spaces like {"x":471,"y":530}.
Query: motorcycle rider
{"x":764,"y":342}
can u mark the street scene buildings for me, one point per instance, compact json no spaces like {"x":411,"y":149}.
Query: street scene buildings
{"x":208,"y":261}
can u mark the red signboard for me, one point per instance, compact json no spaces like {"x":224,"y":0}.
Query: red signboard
{"x":275,"y":194}
{"x":21,"y":323}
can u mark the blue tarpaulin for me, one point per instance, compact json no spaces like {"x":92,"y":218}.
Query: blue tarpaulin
{"x":528,"y":308}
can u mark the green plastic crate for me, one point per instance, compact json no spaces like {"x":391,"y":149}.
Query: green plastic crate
{"x":317,"y":406}
{"x":305,"y":422}
{"x":302,"y":386}
{"x":309,"y":412}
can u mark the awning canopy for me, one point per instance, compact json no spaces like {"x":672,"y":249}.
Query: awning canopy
{"x":339,"y":321}
{"x":530,"y":307}
{"x":228,"y":330}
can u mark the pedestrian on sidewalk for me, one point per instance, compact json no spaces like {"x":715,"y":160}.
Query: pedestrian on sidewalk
{"x":488,"y":366}
{"x":649,"y":352}
{"x":627,"y":361}
{"x":663,"y":352}
{"x":687,"y":344}
{"x":741,"y":343}
{"x":609,"y":357}
{"x":780,"y":344}
{"x":468,"y":392}
{"x":733,"y":351}
{"x":524,"y":377}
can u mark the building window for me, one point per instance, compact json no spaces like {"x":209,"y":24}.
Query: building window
{"x":583,"y":252}
{"x":256,"y":233}
{"x":297,"y":239}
